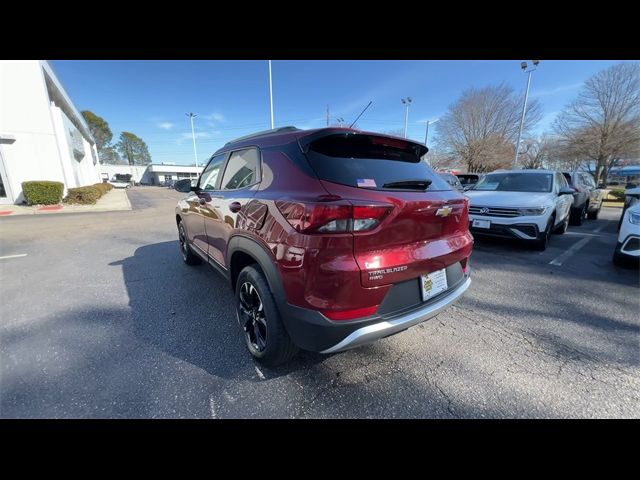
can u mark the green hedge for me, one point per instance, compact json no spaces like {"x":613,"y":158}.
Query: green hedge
{"x":42,"y":192}
{"x":617,"y":194}
{"x":83,"y":195}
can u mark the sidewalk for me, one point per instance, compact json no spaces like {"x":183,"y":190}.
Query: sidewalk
{"x":114,"y":200}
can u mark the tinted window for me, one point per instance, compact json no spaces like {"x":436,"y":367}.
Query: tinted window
{"x":368,"y":161}
{"x":516,"y":182}
{"x":209,"y":176}
{"x":242,"y":170}
{"x":568,"y":177}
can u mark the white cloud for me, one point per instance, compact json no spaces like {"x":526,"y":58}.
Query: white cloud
{"x":165,"y":125}
{"x":187,"y":136}
{"x":215,"y":117}
{"x":553,"y":91}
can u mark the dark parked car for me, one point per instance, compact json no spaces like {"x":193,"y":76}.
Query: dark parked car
{"x":452,"y":180}
{"x":587,"y":199}
{"x":468,"y":180}
{"x":330,"y":238}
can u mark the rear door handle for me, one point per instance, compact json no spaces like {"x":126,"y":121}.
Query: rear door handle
{"x":235,"y":207}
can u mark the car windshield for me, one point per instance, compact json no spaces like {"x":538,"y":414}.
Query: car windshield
{"x":516,"y":182}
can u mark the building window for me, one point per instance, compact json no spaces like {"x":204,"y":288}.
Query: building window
{"x":77,"y":144}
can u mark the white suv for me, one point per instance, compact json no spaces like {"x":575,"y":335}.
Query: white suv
{"x":524,"y":204}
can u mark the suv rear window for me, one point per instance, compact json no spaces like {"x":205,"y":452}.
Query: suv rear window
{"x":369,"y":161}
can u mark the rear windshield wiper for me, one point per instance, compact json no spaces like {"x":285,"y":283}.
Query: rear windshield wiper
{"x":409,"y":184}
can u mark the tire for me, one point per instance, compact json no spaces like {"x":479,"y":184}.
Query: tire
{"x":188,"y":256}
{"x":257,"y":313}
{"x":594,"y":214}
{"x":543,"y":238}
{"x":563,"y":227}
{"x":619,"y":259}
{"x":578,"y":216}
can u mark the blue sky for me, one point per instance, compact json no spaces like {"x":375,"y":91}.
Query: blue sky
{"x":231,"y":98}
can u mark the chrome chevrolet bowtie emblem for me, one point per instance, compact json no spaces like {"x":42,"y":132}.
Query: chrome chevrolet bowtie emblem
{"x":444,"y":211}
{"x":484,"y":210}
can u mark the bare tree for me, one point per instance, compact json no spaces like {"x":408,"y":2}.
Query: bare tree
{"x":602,"y":125}
{"x":481,"y":127}
{"x":441,"y":162}
{"x":536,"y":152}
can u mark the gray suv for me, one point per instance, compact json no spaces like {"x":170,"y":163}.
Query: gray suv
{"x":587,"y":199}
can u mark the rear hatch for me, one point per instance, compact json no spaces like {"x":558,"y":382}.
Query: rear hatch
{"x":426,"y":226}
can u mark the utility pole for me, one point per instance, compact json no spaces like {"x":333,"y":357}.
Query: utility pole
{"x":191,"y":116}
{"x":523,"y":66}
{"x":327,"y":115}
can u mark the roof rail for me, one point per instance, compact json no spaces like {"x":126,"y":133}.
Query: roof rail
{"x":264,"y":133}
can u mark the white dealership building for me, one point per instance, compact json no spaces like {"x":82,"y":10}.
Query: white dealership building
{"x":153,"y":174}
{"x":42,"y":134}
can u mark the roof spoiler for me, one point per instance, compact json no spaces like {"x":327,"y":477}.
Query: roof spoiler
{"x":306,"y":141}
{"x":263,"y":134}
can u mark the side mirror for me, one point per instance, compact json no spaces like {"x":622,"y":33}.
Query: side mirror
{"x":566,"y":191}
{"x":183,"y":186}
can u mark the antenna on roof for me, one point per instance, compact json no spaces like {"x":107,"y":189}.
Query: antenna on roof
{"x":365,"y":108}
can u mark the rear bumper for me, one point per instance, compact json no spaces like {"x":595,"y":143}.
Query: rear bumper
{"x":399,"y":323}
{"x":310,"y":330}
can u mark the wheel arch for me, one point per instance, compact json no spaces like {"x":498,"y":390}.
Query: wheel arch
{"x":243,"y":251}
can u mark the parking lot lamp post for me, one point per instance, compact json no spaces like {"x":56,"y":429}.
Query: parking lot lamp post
{"x":523,"y":66}
{"x":406,"y":102}
{"x":191,"y":116}
{"x":426,"y":135}
{"x":270,"y":95}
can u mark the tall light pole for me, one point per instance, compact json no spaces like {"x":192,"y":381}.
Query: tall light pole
{"x":523,"y":66}
{"x":191,"y":116}
{"x":426,"y":135}
{"x":406,"y":102}
{"x":270,"y":95}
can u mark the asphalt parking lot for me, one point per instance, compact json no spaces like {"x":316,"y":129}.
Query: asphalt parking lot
{"x":100,"y":318}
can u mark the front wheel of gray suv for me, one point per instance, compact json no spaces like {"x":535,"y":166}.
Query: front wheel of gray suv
{"x":259,"y":318}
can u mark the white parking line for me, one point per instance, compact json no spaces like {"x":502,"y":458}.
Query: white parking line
{"x":559,"y":260}
{"x":212,"y":407}
{"x":13,"y":256}
{"x":573,"y":249}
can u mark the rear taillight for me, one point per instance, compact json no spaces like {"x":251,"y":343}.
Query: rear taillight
{"x":334,"y":217}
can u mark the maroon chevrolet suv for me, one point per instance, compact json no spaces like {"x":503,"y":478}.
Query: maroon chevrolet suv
{"x":330,"y":238}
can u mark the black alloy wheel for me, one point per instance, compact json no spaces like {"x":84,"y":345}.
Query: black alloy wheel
{"x":252,"y":316}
